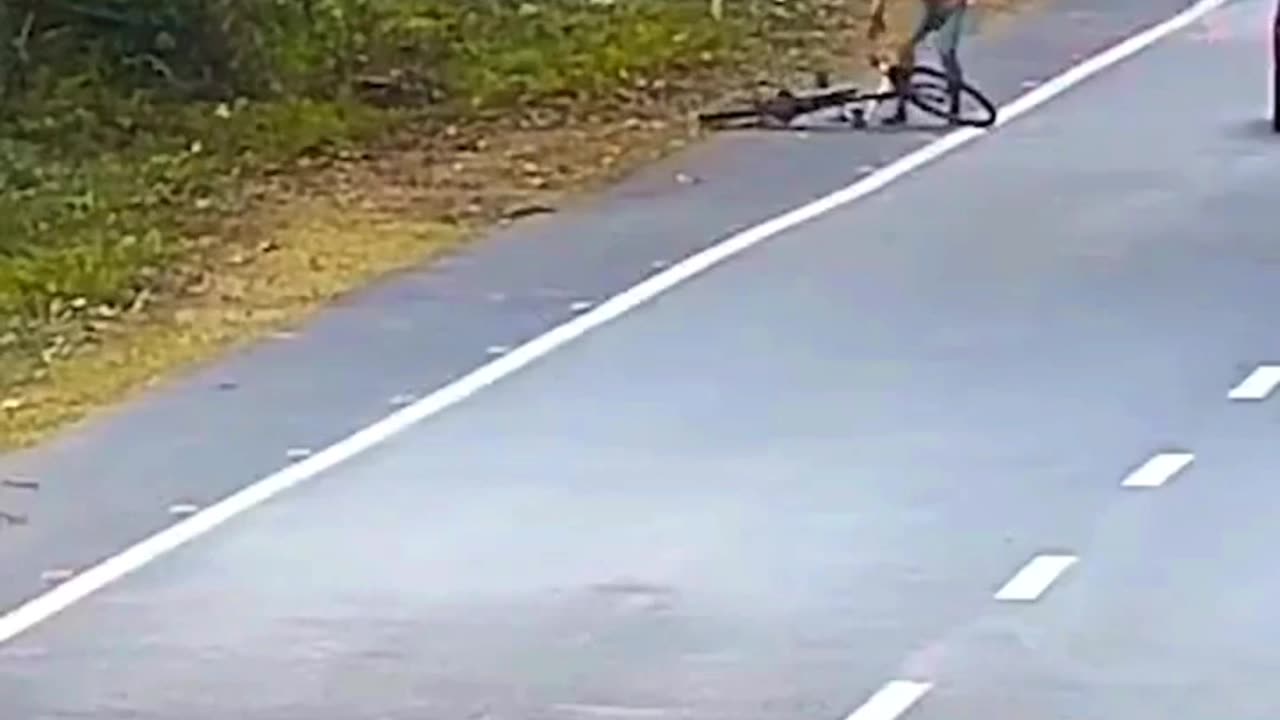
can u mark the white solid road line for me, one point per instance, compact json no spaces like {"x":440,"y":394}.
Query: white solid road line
{"x":1259,"y":385}
{"x":1159,"y":470}
{"x":1035,"y":578}
{"x":891,"y":701}
{"x":113,"y":568}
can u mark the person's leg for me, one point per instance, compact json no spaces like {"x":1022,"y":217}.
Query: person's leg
{"x":949,"y":50}
{"x":899,"y":73}
{"x":904,"y":62}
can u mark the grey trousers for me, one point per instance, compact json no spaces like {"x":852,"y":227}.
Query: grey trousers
{"x":948,"y":23}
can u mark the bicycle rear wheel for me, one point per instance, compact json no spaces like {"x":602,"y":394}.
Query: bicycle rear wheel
{"x":733,"y":115}
{"x":776,"y":111}
{"x":931,"y":93}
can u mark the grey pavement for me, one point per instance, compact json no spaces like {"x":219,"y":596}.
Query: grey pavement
{"x":773,"y":489}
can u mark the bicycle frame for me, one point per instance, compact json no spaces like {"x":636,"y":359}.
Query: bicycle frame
{"x":786,"y":106}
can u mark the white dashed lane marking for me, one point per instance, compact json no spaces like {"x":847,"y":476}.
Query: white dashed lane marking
{"x":1158,"y":470}
{"x":1035,"y":578}
{"x":891,"y":701}
{"x":1260,"y":384}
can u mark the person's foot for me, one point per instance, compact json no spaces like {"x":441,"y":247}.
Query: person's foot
{"x":853,"y":116}
{"x":899,"y":117}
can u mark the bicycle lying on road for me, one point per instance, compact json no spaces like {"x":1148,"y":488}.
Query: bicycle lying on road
{"x":927,"y":89}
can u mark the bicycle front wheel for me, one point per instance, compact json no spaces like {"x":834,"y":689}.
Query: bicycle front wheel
{"x":929,"y":91}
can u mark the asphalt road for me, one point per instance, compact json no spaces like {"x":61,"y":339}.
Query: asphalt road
{"x":773,"y":490}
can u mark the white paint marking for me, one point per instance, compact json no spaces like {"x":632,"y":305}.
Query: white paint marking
{"x":497,"y":350}
{"x":1259,"y":385}
{"x":56,"y":576}
{"x":44,"y":606}
{"x":1159,"y":470}
{"x":299,"y":453}
{"x":183,"y":509}
{"x":891,"y":701}
{"x":1035,"y":578}
{"x":402,"y":400}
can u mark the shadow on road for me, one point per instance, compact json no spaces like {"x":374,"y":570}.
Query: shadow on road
{"x":1258,"y":128}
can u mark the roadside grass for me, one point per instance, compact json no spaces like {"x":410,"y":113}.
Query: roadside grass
{"x":144,"y":229}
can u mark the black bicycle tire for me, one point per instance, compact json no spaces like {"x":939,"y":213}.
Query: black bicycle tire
{"x":723,"y":116}
{"x":760,"y":111}
{"x":1275,"y":87}
{"x":946,"y":114}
